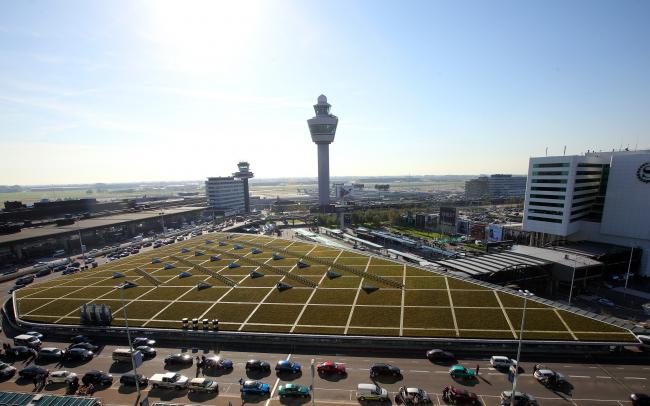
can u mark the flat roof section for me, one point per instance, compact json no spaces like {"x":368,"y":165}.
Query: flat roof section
{"x":490,"y":263}
{"x":87,"y":224}
{"x":40,"y":399}
{"x":558,"y":257}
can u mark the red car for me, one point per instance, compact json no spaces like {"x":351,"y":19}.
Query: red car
{"x":329,"y":367}
{"x":459,"y":396}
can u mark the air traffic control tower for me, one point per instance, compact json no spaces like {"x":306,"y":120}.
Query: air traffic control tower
{"x":323,"y":129}
{"x":244,"y":174}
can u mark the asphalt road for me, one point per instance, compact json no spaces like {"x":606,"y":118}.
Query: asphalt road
{"x":593,"y":384}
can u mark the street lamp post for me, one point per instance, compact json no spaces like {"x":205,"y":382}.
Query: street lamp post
{"x":526,"y":294}
{"x":627,"y":274}
{"x":573,"y":277}
{"x":162,"y":217}
{"x":121,"y":288}
{"x":81,"y":244}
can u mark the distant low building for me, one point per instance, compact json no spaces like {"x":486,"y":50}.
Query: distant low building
{"x":495,"y":187}
{"x":226,"y":194}
{"x":476,"y":188}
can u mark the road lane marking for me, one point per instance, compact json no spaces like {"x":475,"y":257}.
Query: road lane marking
{"x":423,"y":372}
{"x":579,"y":376}
{"x":604,"y":377}
{"x":275,"y":386}
{"x":634,"y":377}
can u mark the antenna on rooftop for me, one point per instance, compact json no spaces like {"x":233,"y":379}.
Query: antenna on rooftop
{"x":546,"y":152}
{"x":564,"y":153}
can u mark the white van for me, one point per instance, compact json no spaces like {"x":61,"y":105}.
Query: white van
{"x":27,"y":341}
{"x":499,"y":361}
{"x":124,"y":355}
{"x":370,"y":391}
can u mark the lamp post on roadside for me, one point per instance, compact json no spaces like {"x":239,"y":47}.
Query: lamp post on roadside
{"x":81,"y":244}
{"x":122,"y":287}
{"x":573,"y":277}
{"x":627,"y":275}
{"x":526,"y":294}
{"x":162,"y":217}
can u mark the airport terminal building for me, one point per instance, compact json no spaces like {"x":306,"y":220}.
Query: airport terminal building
{"x":599,"y":196}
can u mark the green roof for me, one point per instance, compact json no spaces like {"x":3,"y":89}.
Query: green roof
{"x":23,"y":399}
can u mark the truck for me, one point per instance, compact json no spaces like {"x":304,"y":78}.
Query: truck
{"x":170,"y":380}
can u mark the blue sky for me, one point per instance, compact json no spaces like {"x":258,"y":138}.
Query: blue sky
{"x":158,"y":90}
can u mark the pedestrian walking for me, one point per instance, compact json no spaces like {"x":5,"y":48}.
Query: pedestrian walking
{"x":477,"y":366}
{"x":35,"y":381}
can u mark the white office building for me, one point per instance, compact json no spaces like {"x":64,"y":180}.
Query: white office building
{"x":602,"y":197}
{"x":227,"y":194}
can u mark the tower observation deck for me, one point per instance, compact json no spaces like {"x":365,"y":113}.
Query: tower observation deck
{"x":244,"y":174}
{"x":323,"y":129}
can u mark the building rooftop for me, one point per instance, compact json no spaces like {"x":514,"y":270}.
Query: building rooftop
{"x":491,"y":263}
{"x":558,"y":257}
{"x":86,"y":224}
{"x":37,"y":399}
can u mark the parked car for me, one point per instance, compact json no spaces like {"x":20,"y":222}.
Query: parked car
{"x":6,"y":370}
{"x":43,"y":272}
{"x":147,"y":352}
{"x":128,"y":379}
{"x":80,"y":339}
{"x":370,"y":391}
{"x":21,"y":352}
{"x":377,"y":370}
{"x":217,"y":363}
{"x":329,"y":367}
{"x":548,"y":377}
{"x":411,"y":396}
{"x":606,"y":302}
{"x":60,"y":377}
{"x":293,"y":390}
{"x":25,"y":280}
{"x":257,"y":365}
{"x":521,"y":399}
{"x":50,"y":353}
{"x":97,"y":378}
{"x":252,"y":387}
{"x":179,"y":359}
{"x":640,"y":399}
{"x":501,"y":362}
{"x":203,"y":385}
{"x":459,"y":396}
{"x":85,"y":346}
{"x":437,"y":355}
{"x":35,"y":334}
{"x":15,"y":288}
{"x":78,"y":354}
{"x":32,"y":372}
{"x":138,"y":341}
{"x":169,"y":380}
{"x":461,"y":372}
{"x":287,"y":366}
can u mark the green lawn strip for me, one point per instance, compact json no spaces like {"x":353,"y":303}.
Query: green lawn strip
{"x":542,"y":335}
{"x":288,"y":261}
{"x":180,"y":310}
{"x":411,"y":271}
{"x":334,"y":296}
{"x":26,"y":292}
{"x":164,"y":324}
{"x":350,"y":254}
{"x":341,"y":282}
{"x":458,"y":284}
{"x":276,"y":314}
{"x":388,"y":270}
{"x":434,"y":333}
{"x":26,"y":305}
{"x":536,"y":319}
{"x":230,"y":312}
{"x":466,"y":298}
{"x":314,"y":270}
{"x":239,"y":294}
{"x":497,"y":335}
{"x":243,"y":271}
{"x":266,"y":329}
{"x":325,"y":315}
{"x":119,"y":322}
{"x":61,"y":307}
{"x":188,"y":281}
{"x":423,"y":317}
{"x":579,"y":323}
{"x":113,"y":304}
{"x":114,"y":282}
{"x":620,"y":337}
{"x":425,"y":282}
{"x":165,"y":293}
{"x":379,"y":261}
{"x":509,"y":300}
{"x":205,"y":295}
{"x":295,"y":295}
{"x":266,"y":281}
{"x":53,"y":292}
{"x":489,"y":319}
{"x":426,"y":298}
{"x":352,"y":261}
{"x":380,"y":297}
{"x":319,"y":330}
{"x":360,"y":331}
{"x":38,"y":318}
{"x":92,"y":292}
{"x":375,"y":317}
{"x":129,"y":294}
{"x":140,"y":310}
